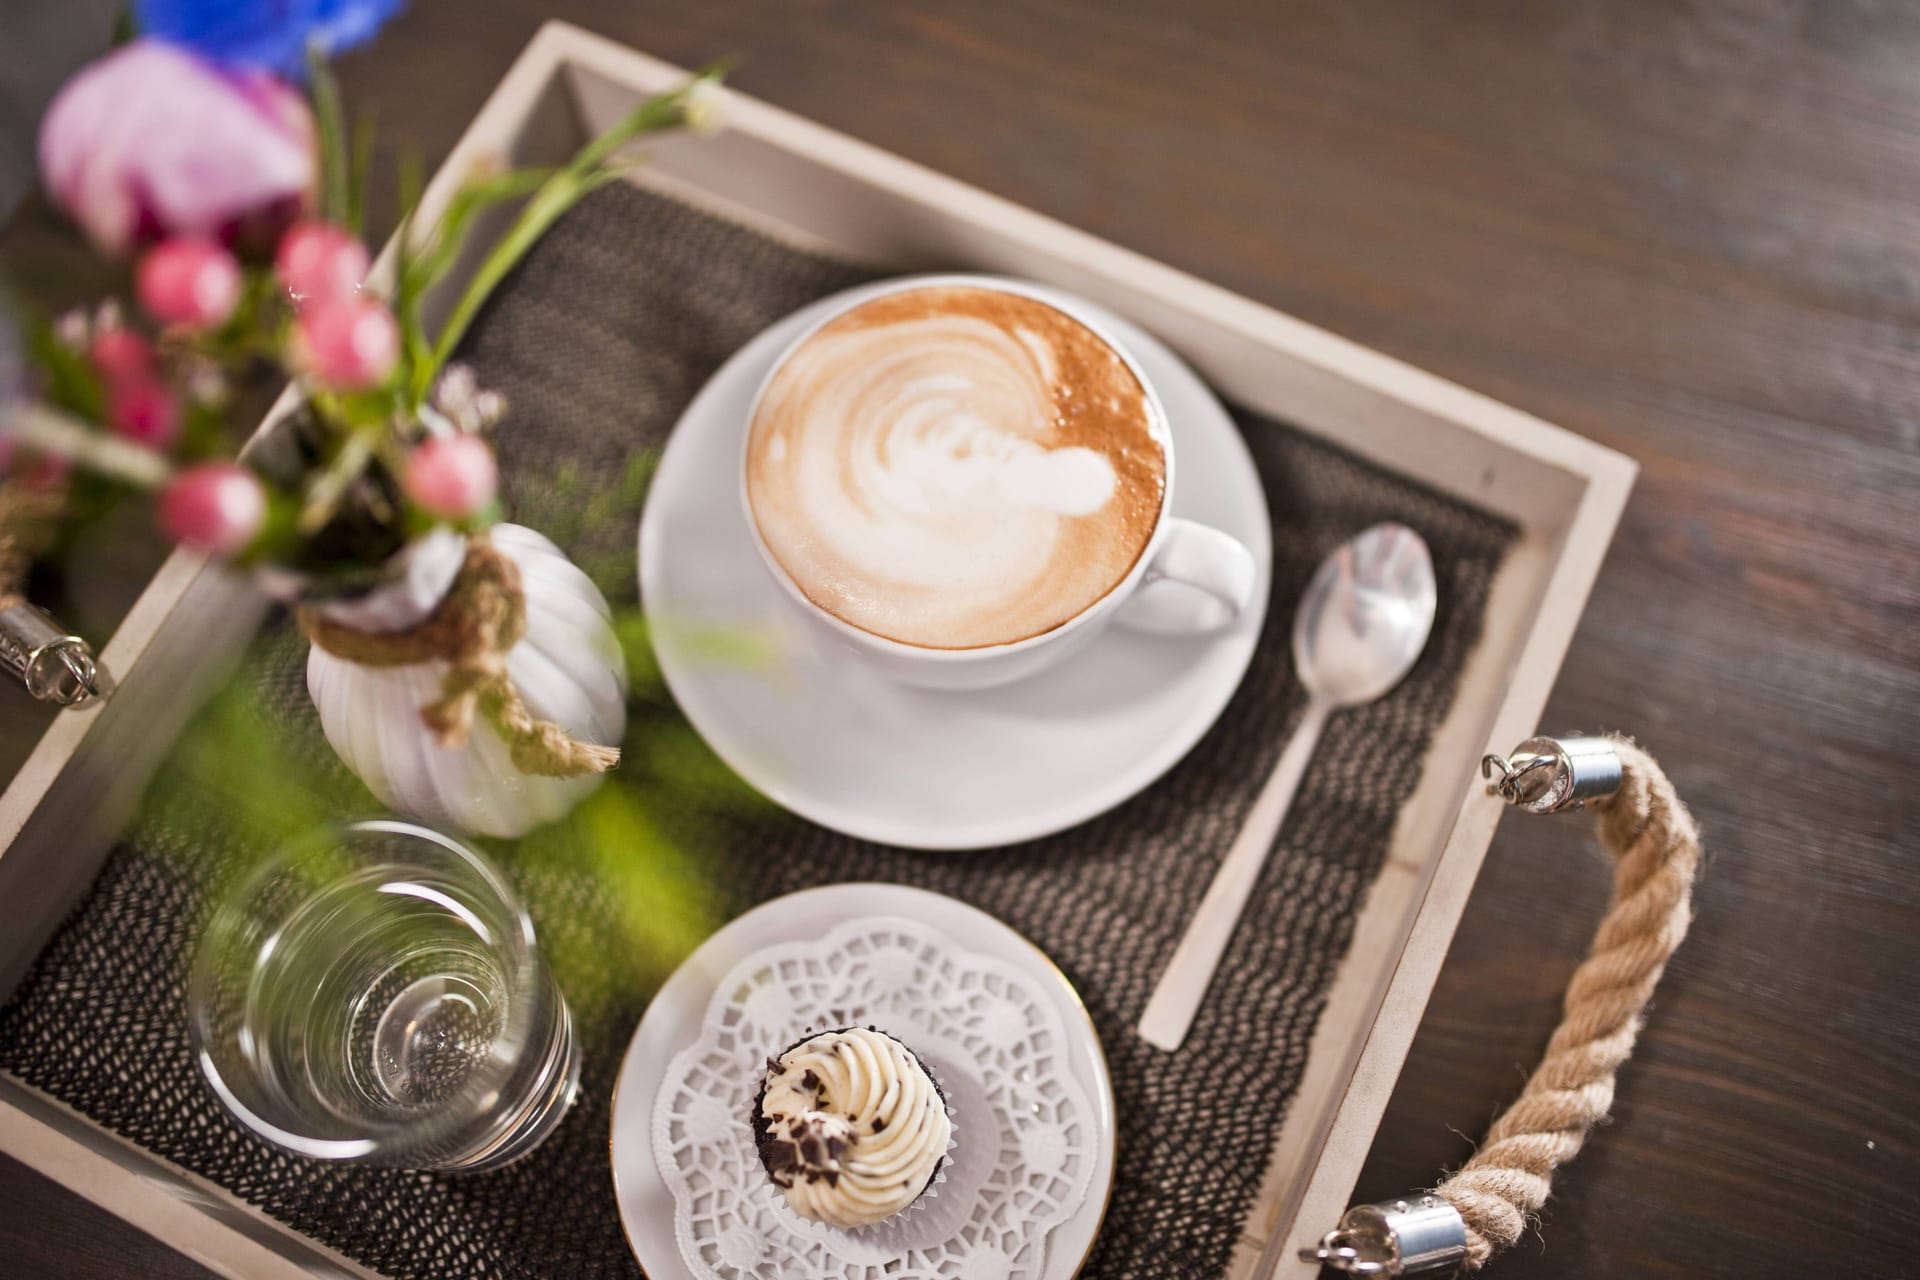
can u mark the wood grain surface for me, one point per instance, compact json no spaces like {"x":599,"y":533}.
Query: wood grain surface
{"x":1689,"y":231}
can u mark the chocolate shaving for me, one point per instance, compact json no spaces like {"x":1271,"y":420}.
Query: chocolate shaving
{"x":781,"y":1160}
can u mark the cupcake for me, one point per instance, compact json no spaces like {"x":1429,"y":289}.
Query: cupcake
{"x":850,"y":1126}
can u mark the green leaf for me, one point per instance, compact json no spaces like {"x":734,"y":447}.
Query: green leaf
{"x":71,"y":382}
{"x":331,"y":127}
{"x":416,"y":351}
{"x":360,"y":165}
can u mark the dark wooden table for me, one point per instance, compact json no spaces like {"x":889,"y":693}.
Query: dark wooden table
{"x":1691,"y":232}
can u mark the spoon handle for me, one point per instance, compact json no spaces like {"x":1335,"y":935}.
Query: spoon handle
{"x":1184,"y":984}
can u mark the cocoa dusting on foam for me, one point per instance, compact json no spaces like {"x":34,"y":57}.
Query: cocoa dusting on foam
{"x":955,"y":467}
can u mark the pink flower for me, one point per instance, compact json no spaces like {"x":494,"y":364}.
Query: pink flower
{"x":144,"y":411}
{"x":216,"y":506}
{"x":319,"y":262}
{"x":150,"y":141}
{"x":349,"y":344}
{"x":453,"y":477}
{"x":188,"y":282}
{"x":121,"y":355}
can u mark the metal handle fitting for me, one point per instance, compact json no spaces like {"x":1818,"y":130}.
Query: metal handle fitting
{"x":1550,"y":775}
{"x":1394,"y":1238}
{"x":54,"y":666}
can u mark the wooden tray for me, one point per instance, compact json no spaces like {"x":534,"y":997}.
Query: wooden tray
{"x":812,"y":186}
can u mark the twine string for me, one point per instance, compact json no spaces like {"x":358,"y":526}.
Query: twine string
{"x":472,"y":629}
{"x":1656,"y":850}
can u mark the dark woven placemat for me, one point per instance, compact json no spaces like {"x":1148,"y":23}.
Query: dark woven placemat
{"x":628,"y":305}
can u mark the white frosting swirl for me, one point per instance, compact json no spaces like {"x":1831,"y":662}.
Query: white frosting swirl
{"x":955,"y":467}
{"x":859,"y":1127}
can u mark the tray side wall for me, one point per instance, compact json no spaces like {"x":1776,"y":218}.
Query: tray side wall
{"x":833,"y":192}
{"x":83,"y":781}
{"x":202,"y":1220}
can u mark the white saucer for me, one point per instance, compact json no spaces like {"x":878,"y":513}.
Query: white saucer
{"x":823,"y":736}
{"x":674,"y":1021}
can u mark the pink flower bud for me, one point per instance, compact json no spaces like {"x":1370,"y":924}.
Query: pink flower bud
{"x":151,"y":141}
{"x":215,"y":506}
{"x":452,"y":477}
{"x":144,"y":411}
{"x":121,"y":355}
{"x":192,"y":283}
{"x":350,"y":344}
{"x":318,"y":262}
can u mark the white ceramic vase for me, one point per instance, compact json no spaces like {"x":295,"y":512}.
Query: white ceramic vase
{"x":568,"y":669}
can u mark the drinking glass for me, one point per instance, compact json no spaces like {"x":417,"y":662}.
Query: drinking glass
{"x":376,"y":995}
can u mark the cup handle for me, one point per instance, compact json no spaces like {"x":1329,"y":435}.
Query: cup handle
{"x":1200,"y":580}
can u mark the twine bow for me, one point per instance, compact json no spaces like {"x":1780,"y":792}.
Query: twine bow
{"x":472,"y":629}
{"x":1656,"y":849}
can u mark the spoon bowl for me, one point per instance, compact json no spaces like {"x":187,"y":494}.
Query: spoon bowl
{"x":1365,"y":617}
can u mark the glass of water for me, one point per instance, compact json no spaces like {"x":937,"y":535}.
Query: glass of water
{"x":376,"y":995}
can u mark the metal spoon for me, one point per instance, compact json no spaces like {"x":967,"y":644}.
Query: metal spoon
{"x":1364,"y":619}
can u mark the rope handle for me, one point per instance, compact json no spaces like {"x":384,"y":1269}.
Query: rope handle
{"x":1486,"y":1206}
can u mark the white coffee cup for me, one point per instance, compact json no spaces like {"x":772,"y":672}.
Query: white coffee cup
{"x":1202,"y":579}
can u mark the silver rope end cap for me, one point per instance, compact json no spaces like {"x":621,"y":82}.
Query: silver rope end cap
{"x":1401,"y":1237}
{"x":1551,"y":775}
{"x":53,"y":665}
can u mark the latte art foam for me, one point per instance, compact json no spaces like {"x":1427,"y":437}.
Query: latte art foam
{"x":954,"y":467}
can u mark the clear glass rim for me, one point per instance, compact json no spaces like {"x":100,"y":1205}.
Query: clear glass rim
{"x":478,"y":1097}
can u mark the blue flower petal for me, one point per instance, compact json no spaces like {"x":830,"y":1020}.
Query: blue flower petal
{"x":266,"y":35}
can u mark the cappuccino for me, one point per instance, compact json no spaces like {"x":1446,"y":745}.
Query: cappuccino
{"x":955,"y":466}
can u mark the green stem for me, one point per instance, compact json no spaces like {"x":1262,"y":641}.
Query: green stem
{"x":324,"y":494}
{"x":560,"y":193}
{"x":587,"y":171}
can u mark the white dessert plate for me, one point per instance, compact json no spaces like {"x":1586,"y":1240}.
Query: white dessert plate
{"x":677,"y":1021}
{"x":821,"y":734}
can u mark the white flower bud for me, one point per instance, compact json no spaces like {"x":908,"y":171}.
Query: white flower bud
{"x":704,"y":109}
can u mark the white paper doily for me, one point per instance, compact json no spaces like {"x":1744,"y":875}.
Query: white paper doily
{"x":1027,"y":1136}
